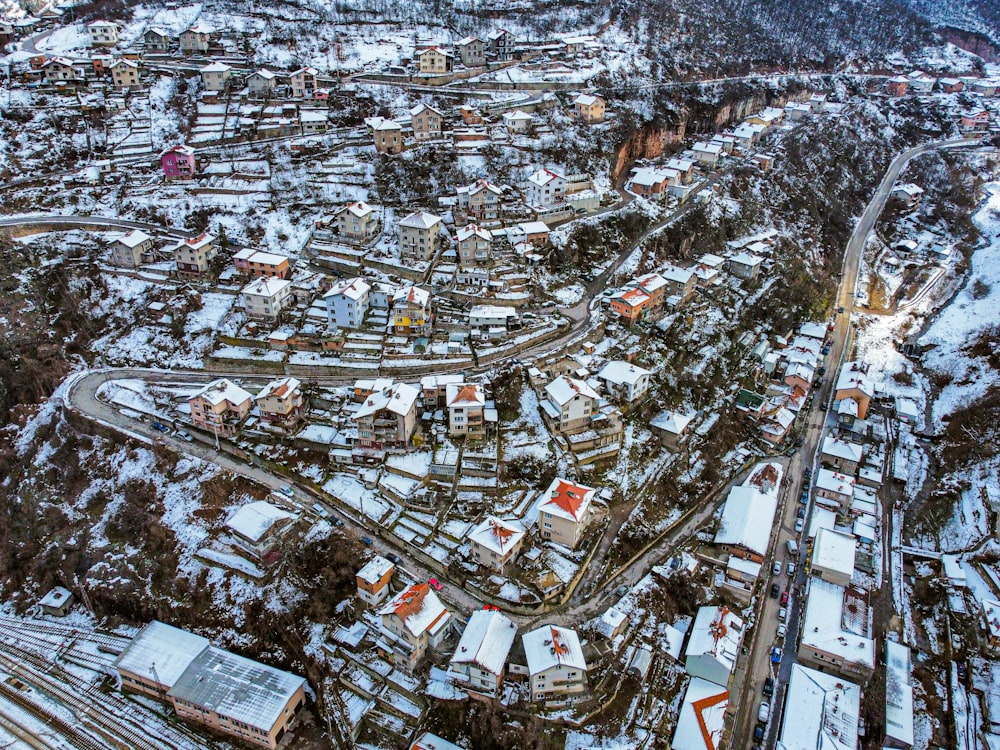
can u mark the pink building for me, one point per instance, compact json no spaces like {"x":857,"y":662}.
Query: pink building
{"x":179,"y":163}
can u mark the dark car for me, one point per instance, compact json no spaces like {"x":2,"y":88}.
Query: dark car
{"x":394,"y":559}
{"x":758,"y":733}
{"x":826,"y":350}
{"x":768,"y":686}
{"x":774,"y":590}
{"x":840,"y":309}
{"x":367,"y":541}
{"x":804,"y":497}
{"x":337,"y":522}
{"x":963,"y":673}
{"x":160,"y":427}
{"x":821,"y":371}
{"x":808,"y":472}
{"x":801,"y":513}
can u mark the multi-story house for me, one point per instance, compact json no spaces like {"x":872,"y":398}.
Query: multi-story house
{"x":570,"y":404}
{"x":156,"y":40}
{"x":128,"y":251}
{"x":303,"y":82}
{"x":411,"y":311}
{"x":435,"y":60}
{"x":347,"y":303}
{"x":474,"y":256}
{"x":467,"y":412}
{"x":103,"y":33}
{"x":420,"y":235}
{"x":426,"y":121}
{"x":373,"y":580}
{"x":194,"y":256}
{"x":386,"y":419}
{"x":257,"y":263}
{"x":179,"y":163}
{"x":357,"y":223}
{"x":493,"y":543}
{"x":280,"y":403}
{"x":588,"y":108}
{"x":388,"y":136}
{"x":625,"y":382}
{"x":632,"y":305}
{"x":480,"y":200}
{"x":59,"y":70}
{"x":480,"y":660}
{"x":565,"y":511}
{"x":216,"y":76}
{"x":501,"y":44}
{"x":412,"y":622}
{"x":196,"y":39}
{"x":262,"y":83}
{"x":545,"y":188}
{"x":557,"y":670}
{"x":220,"y":407}
{"x":124,"y":74}
{"x":471,"y":51}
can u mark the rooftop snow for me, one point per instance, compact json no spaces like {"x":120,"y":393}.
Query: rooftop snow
{"x":373,"y":571}
{"x":552,"y":646}
{"x":821,"y":713}
{"x":700,"y":720}
{"x":255,"y":519}
{"x":486,"y":641}
{"x":161,"y":653}
{"x":834,"y":551}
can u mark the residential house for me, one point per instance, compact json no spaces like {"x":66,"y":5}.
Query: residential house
{"x":494,"y":543}
{"x":835,"y":488}
{"x":103,"y":33}
{"x":59,"y":70}
{"x":195,"y":39}
{"x":471,"y":51}
{"x":897,"y":85}
{"x":700,"y":720}
{"x":388,"y":137}
{"x":909,"y":194}
{"x":357,"y":223}
{"x":991,"y":617}
{"x":124,"y":74}
{"x":492,"y":321}
{"x":899,"y":716}
{"x":745,"y":526}
{"x":412,"y":622}
{"x":430,"y":741}
{"x":480,"y":200}
{"x":951,"y":85}
{"x":257,"y":263}
{"x":853,"y":383}
{"x":259,"y":529}
{"x":535,"y":233}
{"x":386,"y":419}
{"x":588,"y":108}
{"x":347,"y":303}
{"x":841,"y":455}
{"x":420,"y":236}
{"x":651,"y":182}
{"x":986,"y":86}
{"x":411,"y":311}
{"x":435,"y":60}
{"x":480,"y":660}
{"x":680,"y":283}
{"x":156,"y":40}
{"x":426,"y":121}
{"x":179,"y":163}
{"x":625,"y":382}
{"x":470,"y":116}
{"x":564,"y":512}
{"x":262,"y":83}
{"x":280,"y":403}
{"x":974,"y":122}
{"x":570,"y":404}
{"x":821,"y":713}
{"x":684,"y":167}
{"x":671,"y":427}
{"x":501,"y":44}
{"x":194,"y":256}
{"x":744,"y":265}
{"x":312,"y":121}
{"x":836,"y":630}
{"x":833,"y":556}
{"x":435,"y":389}
{"x":474,"y":256}
{"x":632,"y":305}
{"x":216,"y":76}
{"x":303,"y":82}
{"x":373,"y":580}
{"x":707,"y":153}
{"x":714,"y":642}
{"x":128,"y":251}
{"x":557,"y":670}
{"x":545,"y":188}
{"x":920,"y":82}
{"x":220,"y":407}
{"x":468,"y":414}
{"x":517,"y":121}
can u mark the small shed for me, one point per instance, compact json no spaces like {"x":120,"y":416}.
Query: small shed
{"x":641,"y":660}
{"x":57,"y":602}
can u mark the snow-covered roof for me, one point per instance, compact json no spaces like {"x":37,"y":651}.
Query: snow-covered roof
{"x":716,"y":632}
{"x":160,"y":653}
{"x":586,"y":100}
{"x":747,"y":518}
{"x":833,"y":481}
{"x":440,"y":51}
{"x":610,"y":621}
{"x":486,"y":641}
{"x":203,"y":239}
{"x":134,"y":238}
{"x":700,"y":720}
{"x":825,"y":628}
{"x":492,"y":311}
{"x":564,"y":389}
{"x":517,"y":115}
{"x":254,"y":520}
{"x":533,"y":227}
{"x":622,"y":373}
{"x":222,"y":390}
{"x":420,"y":220}
{"x":472,"y":230}
{"x":464,"y":394}
{"x":57,"y":597}
{"x":125,"y":62}
{"x":266,"y":286}
{"x":279,"y":387}
{"x":746,"y":259}
{"x":847,"y":407}
{"x":374,"y":569}
{"x":566,"y":499}
{"x":238,"y":688}
{"x":420,"y":108}
{"x":552,"y":646}
{"x":841,"y":449}
{"x":813,"y":330}
{"x":355,"y":288}
{"x":497,"y":535}
{"x":398,"y":398}
{"x":648,"y":176}
{"x":991,"y":612}
{"x":677,"y":275}
{"x":412,"y":294}
{"x":544,"y":176}
{"x":387,"y":125}
{"x":427,"y":382}
{"x":199,"y":28}
{"x":428,"y":741}
{"x":821,"y":713}
{"x":477,"y":187}
{"x":681,"y":165}
{"x":264,"y":73}
{"x":834,"y":551}
{"x":898,"y":695}
{"x":306,"y":71}
{"x":708,"y":148}
{"x":671,"y":421}
{"x":419,"y":608}
{"x":216,"y":67}
{"x":358,"y":208}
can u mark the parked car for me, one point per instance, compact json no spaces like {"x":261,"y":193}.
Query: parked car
{"x":435,"y":584}
{"x":320,"y":511}
{"x":621,"y":591}
{"x":286,"y":490}
{"x":768,"y":686}
{"x":159,"y":427}
{"x":801,"y":512}
{"x":808,"y":472}
{"x":963,"y":673}
{"x":776,"y":655}
{"x":826,"y":350}
{"x":840,"y":309}
{"x":804,"y":497}
{"x":758,"y":733}
{"x":791,"y":569}
{"x":764,"y":712}
{"x":782,"y":614}
{"x":799,"y":525}
{"x":367,"y":541}
{"x":776,"y":568}
{"x":185,"y":436}
{"x":337,"y":522}
{"x":782,"y":630}
{"x":774,"y":590}
{"x":784,"y":598}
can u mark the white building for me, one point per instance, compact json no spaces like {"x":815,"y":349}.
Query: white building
{"x":625,"y":382}
{"x":480,"y":660}
{"x":495,"y":542}
{"x":700,"y":720}
{"x":714,"y":644}
{"x":215,"y":76}
{"x":103,"y":33}
{"x":836,"y":630}
{"x":258,"y":527}
{"x":347,"y":303}
{"x":564,"y":511}
{"x":266,"y":297}
{"x":129,"y":250}
{"x":373,"y":580}
{"x":821,"y":712}
{"x":545,"y":188}
{"x":420,"y":235}
{"x":492,"y":320}
{"x":746,"y":523}
{"x":570,"y":403}
{"x":556,"y":667}
{"x":898,"y":698}
{"x":516,"y":121}
{"x":833,"y":557}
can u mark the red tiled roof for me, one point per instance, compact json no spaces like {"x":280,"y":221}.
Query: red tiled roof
{"x":569,"y":497}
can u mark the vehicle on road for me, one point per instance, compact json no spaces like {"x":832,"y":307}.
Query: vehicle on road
{"x":840,"y":309}
{"x":435,"y":584}
{"x":801,"y":512}
{"x":768,"y":686}
{"x":337,"y":522}
{"x":791,"y":569}
{"x":367,"y":541}
{"x":286,"y":490}
{"x":782,"y":614}
{"x":800,"y":442}
{"x":491,"y":608}
{"x":775,"y":655}
{"x":826,"y":350}
{"x":320,"y":511}
{"x":804,"y":497}
{"x":621,"y":591}
{"x":799,"y":525}
{"x":774,"y":590}
{"x":808,"y":472}
{"x":776,"y":568}
{"x":159,"y":427}
{"x":784,"y":598}
{"x":764,"y":712}
{"x":393,"y":558}
{"x":587,"y":276}
{"x":963,"y":673}
{"x":758,"y":733}
{"x":185,"y":436}
{"x":793,"y":547}
{"x":782,"y":630}
{"x":821,"y":371}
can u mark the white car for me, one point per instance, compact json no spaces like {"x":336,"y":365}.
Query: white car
{"x":776,"y":569}
{"x":782,"y":630}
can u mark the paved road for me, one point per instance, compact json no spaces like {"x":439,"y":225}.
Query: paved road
{"x":70,"y":220}
{"x":764,"y":634}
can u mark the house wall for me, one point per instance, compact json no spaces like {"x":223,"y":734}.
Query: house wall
{"x":344,"y":312}
{"x":558,"y":684}
{"x":561,"y":530}
{"x":243,"y":731}
{"x":419,"y":243}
